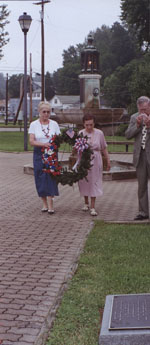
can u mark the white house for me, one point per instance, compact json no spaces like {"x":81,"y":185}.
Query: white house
{"x":65,"y":102}
{"x":36,"y":93}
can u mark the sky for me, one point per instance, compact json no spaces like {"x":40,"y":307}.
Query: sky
{"x":66,"y":23}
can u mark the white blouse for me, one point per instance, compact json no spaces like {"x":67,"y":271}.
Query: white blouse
{"x":36,"y":129}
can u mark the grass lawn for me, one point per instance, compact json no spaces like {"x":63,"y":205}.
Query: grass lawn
{"x":118,"y":148}
{"x":14,"y":141}
{"x":9,"y":125}
{"x":115,"y":261}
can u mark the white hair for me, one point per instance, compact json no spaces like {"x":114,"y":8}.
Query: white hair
{"x":143,"y":99}
{"x":43,"y":104}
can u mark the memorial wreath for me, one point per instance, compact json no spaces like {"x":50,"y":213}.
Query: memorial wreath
{"x":82,"y":164}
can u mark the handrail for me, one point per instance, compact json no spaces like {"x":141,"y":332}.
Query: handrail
{"x":126,"y":143}
{"x":120,"y":142}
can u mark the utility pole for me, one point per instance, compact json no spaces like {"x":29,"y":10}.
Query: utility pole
{"x":42,"y":3}
{"x":42,"y":52}
{"x":30,"y":87}
{"x":6,"y":119}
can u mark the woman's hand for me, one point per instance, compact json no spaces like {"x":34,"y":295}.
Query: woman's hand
{"x":106,"y":155}
{"x":34,"y":142}
{"x":108,"y":165}
{"x":46,"y":145}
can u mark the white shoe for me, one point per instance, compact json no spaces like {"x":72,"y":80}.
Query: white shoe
{"x":93,"y":212}
{"x":44,"y":209}
{"x":51,"y":211}
{"x":85,"y":207}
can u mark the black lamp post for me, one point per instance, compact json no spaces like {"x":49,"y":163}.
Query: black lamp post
{"x":25,"y":22}
{"x":90,"y":58}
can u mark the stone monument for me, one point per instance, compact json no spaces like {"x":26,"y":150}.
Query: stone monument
{"x":126,"y":320}
{"x":89,"y":77}
{"x":107,"y":119}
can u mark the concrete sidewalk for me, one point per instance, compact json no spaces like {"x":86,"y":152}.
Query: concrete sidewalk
{"x":39,"y":252}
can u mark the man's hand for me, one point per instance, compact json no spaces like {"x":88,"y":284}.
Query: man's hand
{"x":139,"y":120}
{"x":147,"y":122}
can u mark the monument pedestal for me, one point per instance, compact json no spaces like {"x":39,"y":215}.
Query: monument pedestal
{"x":126,"y":320}
{"x":90,"y":90}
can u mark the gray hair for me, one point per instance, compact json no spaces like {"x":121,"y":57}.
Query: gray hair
{"x":143,"y":99}
{"x":43,"y":104}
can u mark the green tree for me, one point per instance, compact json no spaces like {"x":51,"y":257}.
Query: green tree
{"x":49,"y":87}
{"x":126,"y":84}
{"x":102,"y":41}
{"x":2,"y":86}
{"x":116,"y":89}
{"x":117,"y":47}
{"x":14,"y":85}
{"x":66,"y":80}
{"x":139,"y":80}
{"x":3,"y":22}
{"x":136,"y":14}
{"x":123,"y":45}
{"x":72,"y":55}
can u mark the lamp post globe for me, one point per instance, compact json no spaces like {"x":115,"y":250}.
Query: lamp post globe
{"x":25,"y":22}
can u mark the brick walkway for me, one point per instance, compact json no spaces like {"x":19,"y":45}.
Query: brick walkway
{"x":39,"y":252}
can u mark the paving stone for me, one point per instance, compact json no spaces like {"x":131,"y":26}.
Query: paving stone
{"x":9,"y":336}
{"x":14,"y":343}
{"x":14,"y":323}
{"x":25,"y":330}
{"x":30,"y":339}
{"x":39,"y":253}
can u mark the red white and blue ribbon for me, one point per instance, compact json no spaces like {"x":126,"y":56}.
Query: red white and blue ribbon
{"x":81,"y":144}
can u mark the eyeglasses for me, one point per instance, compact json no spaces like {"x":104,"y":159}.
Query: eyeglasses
{"x":46,"y":111}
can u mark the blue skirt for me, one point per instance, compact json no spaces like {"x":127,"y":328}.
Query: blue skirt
{"x":45,"y":184}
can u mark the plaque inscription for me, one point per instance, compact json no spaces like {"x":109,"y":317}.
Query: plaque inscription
{"x":130,"y":312}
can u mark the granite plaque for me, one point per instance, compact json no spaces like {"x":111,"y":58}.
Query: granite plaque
{"x":130,"y":312}
{"x":126,"y":320}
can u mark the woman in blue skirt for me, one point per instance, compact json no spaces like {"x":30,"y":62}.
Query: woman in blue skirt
{"x":40,"y":133}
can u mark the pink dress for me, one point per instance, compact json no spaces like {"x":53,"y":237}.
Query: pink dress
{"x":93,"y":187}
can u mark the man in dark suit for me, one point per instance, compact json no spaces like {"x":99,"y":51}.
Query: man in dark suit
{"x":139,"y":129}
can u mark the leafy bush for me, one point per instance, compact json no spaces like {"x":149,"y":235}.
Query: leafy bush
{"x":121,"y":129}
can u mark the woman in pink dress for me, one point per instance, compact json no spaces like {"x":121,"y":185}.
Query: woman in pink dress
{"x":91,"y":187}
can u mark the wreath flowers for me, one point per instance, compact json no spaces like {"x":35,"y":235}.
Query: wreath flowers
{"x":80,"y":168}
{"x":50,"y":159}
